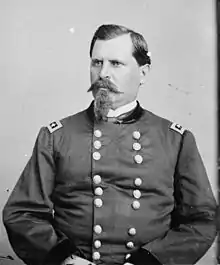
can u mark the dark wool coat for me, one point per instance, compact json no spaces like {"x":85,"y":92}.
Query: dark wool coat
{"x":103,"y":190}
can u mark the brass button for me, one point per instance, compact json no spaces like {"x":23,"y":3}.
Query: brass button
{"x":98,"y":191}
{"x":97,"y":229}
{"x":127,"y":256}
{"x":136,"y":146}
{"x":97,"y":179}
{"x":97,"y":144}
{"x":132,"y":231}
{"x":136,"y":194}
{"x":96,"y":255}
{"x":136,"y":135}
{"x":138,"y":159}
{"x":130,"y":244}
{"x":96,"y":155}
{"x":136,"y":205}
{"x":98,"y":202}
{"x":97,"y":243}
{"x":138,"y":182}
{"x":97,"y":133}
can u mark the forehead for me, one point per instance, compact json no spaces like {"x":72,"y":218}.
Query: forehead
{"x":119,"y":47}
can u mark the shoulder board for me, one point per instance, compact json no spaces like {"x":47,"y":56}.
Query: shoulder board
{"x":53,"y":126}
{"x":176,"y":127}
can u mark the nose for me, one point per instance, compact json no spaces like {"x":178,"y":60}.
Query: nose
{"x":105,"y":71}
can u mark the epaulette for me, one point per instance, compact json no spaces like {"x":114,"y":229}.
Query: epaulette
{"x":176,"y":127}
{"x":53,"y":126}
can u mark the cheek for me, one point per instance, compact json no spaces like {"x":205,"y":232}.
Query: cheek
{"x":131,"y":81}
{"x":93,"y":75}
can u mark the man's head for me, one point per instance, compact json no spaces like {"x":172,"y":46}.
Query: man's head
{"x":119,"y":63}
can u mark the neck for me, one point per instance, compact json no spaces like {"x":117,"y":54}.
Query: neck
{"x":130,"y":118}
{"x":122,"y":109}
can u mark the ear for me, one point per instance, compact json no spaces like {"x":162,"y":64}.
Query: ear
{"x":144,"y":69}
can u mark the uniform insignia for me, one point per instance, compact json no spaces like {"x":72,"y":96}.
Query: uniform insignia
{"x":53,"y":126}
{"x":176,"y":127}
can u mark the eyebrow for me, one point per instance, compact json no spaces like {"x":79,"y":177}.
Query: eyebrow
{"x":116,"y":60}
{"x":96,"y":59}
{"x":110,"y":60}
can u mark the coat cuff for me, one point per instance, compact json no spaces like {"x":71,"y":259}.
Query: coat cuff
{"x":59,"y":252}
{"x":63,"y":249}
{"x":143,"y":257}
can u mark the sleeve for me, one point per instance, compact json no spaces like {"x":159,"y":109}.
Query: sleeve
{"x":28,"y":213}
{"x":193,"y":226}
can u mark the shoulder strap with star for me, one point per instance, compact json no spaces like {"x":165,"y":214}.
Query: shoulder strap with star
{"x":53,"y":126}
{"x":177,"y":127}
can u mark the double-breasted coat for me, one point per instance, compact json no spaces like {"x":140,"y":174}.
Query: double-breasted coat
{"x":104,"y":190}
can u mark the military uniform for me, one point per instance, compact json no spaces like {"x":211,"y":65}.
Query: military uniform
{"x":132,"y":190}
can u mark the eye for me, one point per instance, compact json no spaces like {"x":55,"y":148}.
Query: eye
{"x":96,"y":62}
{"x":116,"y":63}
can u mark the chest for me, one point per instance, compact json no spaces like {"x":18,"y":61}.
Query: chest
{"x":118,"y":153}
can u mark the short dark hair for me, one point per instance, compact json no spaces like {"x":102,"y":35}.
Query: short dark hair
{"x":111,"y":31}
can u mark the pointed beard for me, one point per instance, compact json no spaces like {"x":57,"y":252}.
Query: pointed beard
{"x":102,"y":104}
{"x":101,"y":89}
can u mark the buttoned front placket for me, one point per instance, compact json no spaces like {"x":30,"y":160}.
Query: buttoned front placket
{"x":136,"y":193}
{"x":105,"y":190}
{"x":103,"y":135}
{"x":98,"y":192}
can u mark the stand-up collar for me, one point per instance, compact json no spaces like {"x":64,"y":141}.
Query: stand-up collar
{"x":122,"y":110}
{"x":128,"y":117}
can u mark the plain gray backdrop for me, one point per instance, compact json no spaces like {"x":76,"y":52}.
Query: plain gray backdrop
{"x":44,"y":72}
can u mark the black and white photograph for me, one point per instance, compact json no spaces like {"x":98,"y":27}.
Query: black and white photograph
{"x":109,"y":132}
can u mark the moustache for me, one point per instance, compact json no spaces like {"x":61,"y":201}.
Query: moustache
{"x":104,"y":83}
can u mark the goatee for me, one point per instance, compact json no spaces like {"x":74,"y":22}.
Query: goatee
{"x":102,"y":102}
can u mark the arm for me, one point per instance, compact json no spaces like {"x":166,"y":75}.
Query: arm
{"x":28,"y":213}
{"x":193,"y":227}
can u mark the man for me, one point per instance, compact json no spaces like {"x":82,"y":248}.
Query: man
{"x":113,"y":184}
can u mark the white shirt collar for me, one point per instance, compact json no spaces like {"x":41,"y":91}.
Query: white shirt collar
{"x":123,"y":109}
